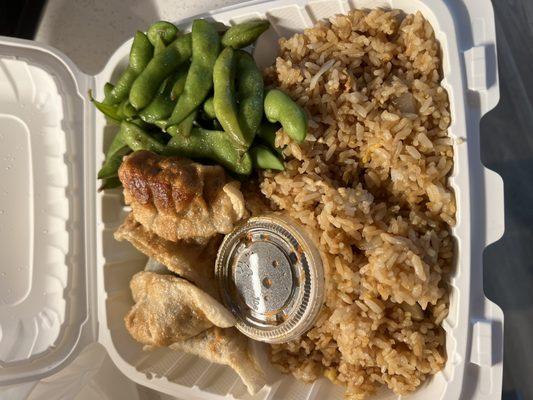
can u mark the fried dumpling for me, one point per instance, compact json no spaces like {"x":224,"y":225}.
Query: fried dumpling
{"x":178,"y":199}
{"x":168,"y":309}
{"x":227,"y":347}
{"x":192,"y":261}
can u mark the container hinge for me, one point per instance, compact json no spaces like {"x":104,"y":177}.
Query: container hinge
{"x":485,"y":369}
{"x":494,"y":207}
{"x":476,"y":68}
{"x":482,"y":76}
{"x":481,"y":352}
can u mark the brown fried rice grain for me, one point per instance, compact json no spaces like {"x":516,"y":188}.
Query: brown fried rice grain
{"x":371,"y":182}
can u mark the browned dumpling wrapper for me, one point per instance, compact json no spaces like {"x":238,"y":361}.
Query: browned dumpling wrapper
{"x":227,"y":347}
{"x":192,"y":261}
{"x":178,"y":199}
{"x":169,"y":309}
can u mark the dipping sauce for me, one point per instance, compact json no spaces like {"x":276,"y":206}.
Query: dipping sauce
{"x":271,"y":277}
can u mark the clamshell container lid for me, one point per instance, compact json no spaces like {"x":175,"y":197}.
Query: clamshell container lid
{"x":44,"y":283}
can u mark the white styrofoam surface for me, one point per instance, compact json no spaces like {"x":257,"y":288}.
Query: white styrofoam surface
{"x":43,"y":283}
{"x":465,"y":30}
{"x":38,"y":316}
{"x":474,"y":328}
{"x":91,"y":376}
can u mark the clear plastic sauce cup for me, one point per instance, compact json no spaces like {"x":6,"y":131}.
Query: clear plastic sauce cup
{"x":271,"y":277}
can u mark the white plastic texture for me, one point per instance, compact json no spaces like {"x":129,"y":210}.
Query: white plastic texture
{"x":44,"y":312}
{"x":474,"y":327}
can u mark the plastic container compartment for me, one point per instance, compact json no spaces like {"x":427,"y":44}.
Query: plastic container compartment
{"x":64,"y":280}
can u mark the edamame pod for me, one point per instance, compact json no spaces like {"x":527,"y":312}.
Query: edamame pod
{"x":116,"y":151}
{"x":112,"y":163}
{"x":209,"y":108}
{"x":224,"y":98}
{"x":281,"y":108}
{"x":242,"y":121}
{"x":108,"y":87}
{"x":140,"y":55}
{"x":137,"y":139}
{"x":205,"y":49}
{"x":161,"y":124}
{"x":116,"y":144}
{"x":109,"y":110}
{"x":264,"y":158}
{"x":110,"y":183}
{"x":213,"y":145}
{"x":249,"y":82}
{"x":184,"y":127}
{"x":159,"y":45}
{"x":244,"y":34}
{"x":267,"y":133}
{"x":160,"y":67}
{"x":161,"y":106}
{"x":127,"y":110}
{"x":162,"y":29}
{"x":122,"y":87}
{"x":179,"y":84}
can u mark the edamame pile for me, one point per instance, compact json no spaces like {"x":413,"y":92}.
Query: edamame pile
{"x":198,"y":95}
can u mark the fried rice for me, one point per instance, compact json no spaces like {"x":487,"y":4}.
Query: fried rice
{"x":370,"y":182}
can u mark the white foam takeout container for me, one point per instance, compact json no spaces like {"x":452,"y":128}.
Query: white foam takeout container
{"x":64,"y":280}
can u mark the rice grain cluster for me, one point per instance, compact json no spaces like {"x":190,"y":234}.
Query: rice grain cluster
{"x":370,"y":182}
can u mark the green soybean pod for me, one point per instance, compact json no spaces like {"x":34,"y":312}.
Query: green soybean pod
{"x":224,"y":98}
{"x":267,"y":133}
{"x":164,"y":30}
{"x":213,"y":145}
{"x":161,"y":106}
{"x":159,"y":45}
{"x":127,"y":110}
{"x":112,"y":163}
{"x":137,"y":139}
{"x":120,"y":110}
{"x":109,"y":110}
{"x":281,"y":108}
{"x":122,"y":87}
{"x":161,"y":124}
{"x":108,"y":87}
{"x":110,"y":183}
{"x":209,"y":108}
{"x":264,"y":158}
{"x":205,"y":49}
{"x":117,"y":149}
{"x":158,"y":69}
{"x":249,"y":82}
{"x":179,"y":83}
{"x":140,"y":55}
{"x":244,"y":34}
{"x":116,"y":144}
{"x":184,"y":127}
